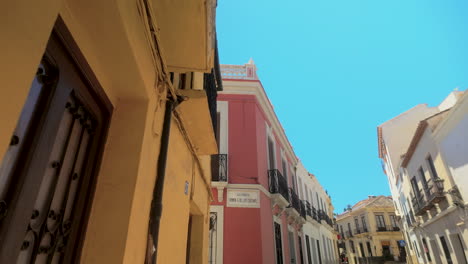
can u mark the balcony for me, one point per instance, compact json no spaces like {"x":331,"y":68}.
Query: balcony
{"x":418,"y":203}
{"x":327,"y":219}
{"x":303,"y":210}
{"x":294,"y":200}
{"x":433,"y":193}
{"x":278,"y":186}
{"x":315,"y":214}
{"x":358,"y":231}
{"x":308,"y":208}
{"x":219,"y":167}
{"x":349,"y":233}
{"x":388,"y":229}
{"x":321,"y":214}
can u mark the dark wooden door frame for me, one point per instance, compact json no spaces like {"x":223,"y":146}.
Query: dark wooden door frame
{"x":61,"y":46}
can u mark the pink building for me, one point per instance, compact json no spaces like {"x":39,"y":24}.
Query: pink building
{"x":256,"y":216}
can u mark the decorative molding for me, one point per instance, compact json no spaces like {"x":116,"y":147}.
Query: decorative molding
{"x":219,"y":209}
{"x":249,"y":186}
{"x":220,"y":186}
{"x":255,"y":88}
{"x":438,"y":216}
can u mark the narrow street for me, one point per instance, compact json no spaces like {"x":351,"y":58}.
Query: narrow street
{"x":233,"y":132}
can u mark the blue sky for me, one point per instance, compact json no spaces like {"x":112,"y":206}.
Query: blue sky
{"x":336,"y":69}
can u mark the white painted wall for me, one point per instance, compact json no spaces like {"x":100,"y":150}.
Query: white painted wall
{"x":310,"y":185}
{"x":454,"y":149}
{"x":449,"y":101}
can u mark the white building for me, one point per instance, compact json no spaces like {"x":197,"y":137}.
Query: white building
{"x":423,"y":154}
{"x":320,"y":240}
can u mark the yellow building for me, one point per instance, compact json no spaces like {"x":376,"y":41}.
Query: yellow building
{"x":369,"y":232}
{"x":106,"y":113}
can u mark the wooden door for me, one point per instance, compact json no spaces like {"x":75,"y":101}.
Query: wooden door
{"x":47,"y":175}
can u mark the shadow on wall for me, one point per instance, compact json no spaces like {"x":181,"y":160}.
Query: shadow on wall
{"x":455,"y":146}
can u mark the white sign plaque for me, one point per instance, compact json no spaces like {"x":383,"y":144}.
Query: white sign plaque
{"x":243,"y":198}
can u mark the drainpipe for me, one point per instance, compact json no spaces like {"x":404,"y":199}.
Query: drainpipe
{"x":156,"y":204}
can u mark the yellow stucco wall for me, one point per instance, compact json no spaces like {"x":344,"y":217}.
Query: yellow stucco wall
{"x":111,"y":37}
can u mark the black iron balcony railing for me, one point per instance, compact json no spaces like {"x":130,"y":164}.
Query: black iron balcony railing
{"x":303,"y":209}
{"x":387,"y":228}
{"x":360,"y":230}
{"x":278,"y":184}
{"x":315,"y":214}
{"x":219,"y":167}
{"x":294,"y":200}
{"x":349,"y":233}
{"x":308,"y":208}
{"x":321,"y":214}
{"x":433,"y":193}
{"x":418,"y":203}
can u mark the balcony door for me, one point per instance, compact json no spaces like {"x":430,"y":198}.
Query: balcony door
{"x":356,"y":222}
{"x":309,"y":256}
{"x":47,"y":175}
{"x":292,"y":248}
{"x":446,"y":250}
{"x":301,"y":253}
{"x":380,"y":222}
{"x":271,"y":154}
{"x":278,"y":244}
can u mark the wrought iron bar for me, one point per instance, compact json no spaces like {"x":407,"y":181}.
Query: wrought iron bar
{"x":219,"y":167}
{"x":294,"y":199}
{"x":308,"y":209}
{"x":278,"y":184}
{"x":303,"y":209}
{"x":315,"y":214}
{"x":387,"y":228}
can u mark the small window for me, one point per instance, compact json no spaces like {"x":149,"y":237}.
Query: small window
{"x":356,"y":222}
{"x":369,"y":248}
{"x":364,"y":225}
{"x":271,"y":154}
{"x":414,"y":186}
{"x":285,"y":168}
{"x":426,"y":249}
{"x":432,"y":169}
{"x":416,"y":248}
{"x":351,"y":245}
{"x":393,"y":221}
{"x":423,"y":177}
{"x":380,"y":221}
{"x":446,"y":250}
